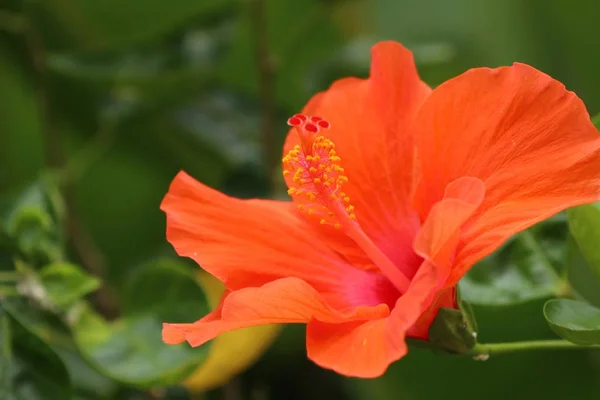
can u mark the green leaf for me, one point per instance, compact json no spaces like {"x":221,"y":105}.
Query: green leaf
{"x":574,"y":320}
{"x":522,"y":270}
{"x":66,"y":283}
{"x":32,"y":220}
{"x":584,"y":223}
{"x":51,"y":330}
{"x":92,"y":25}
{"x":30,"y":369}
{"x":130,"y":350}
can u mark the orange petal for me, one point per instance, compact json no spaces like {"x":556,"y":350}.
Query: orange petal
{"x":287,"y":300}
{"x":439,"y":238}
{"x":247,"y":243}
{"x":365,"y":349}
{"x":370,"y":129}
{"x":528,"y":139}
{"x":232,"y":352}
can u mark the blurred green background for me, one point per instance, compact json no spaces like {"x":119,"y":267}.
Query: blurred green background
{"x":108,"y":99}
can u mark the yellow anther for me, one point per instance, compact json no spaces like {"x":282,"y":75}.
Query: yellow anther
{"x":313,"y":169}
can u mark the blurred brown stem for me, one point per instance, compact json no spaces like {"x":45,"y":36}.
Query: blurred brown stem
{"x":55,"y":160}
{"x":266,"y":77}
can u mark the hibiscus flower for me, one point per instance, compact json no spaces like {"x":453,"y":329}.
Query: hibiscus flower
{"x":398,"y":190}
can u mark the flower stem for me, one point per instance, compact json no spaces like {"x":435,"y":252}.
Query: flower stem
{"x":483,"y":350}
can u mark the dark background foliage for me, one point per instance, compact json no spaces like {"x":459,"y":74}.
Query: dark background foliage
{"x":103,"y":101}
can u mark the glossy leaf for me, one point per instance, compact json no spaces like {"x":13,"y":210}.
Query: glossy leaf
{"x":65,"y":283}
{"x":520,"y":271}
{"x":574,"y":320}
{"x":584,"y":223}
{"x":130,"y":350}
{"x":29,"y":368}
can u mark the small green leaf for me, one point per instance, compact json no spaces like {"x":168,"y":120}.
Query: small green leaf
{"x":584,"y":223}
{"x":66,"y":283}
{"x":520,"y":271}
{"x":131,"y":350}
{"x":574,"y":320}
{"x":32,"y":220}
{"x":30,"y":369}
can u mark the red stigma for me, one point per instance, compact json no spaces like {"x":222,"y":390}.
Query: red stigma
{"x":323,"y":124}
{"x":308,"y":128}
{"x":311,"y":128}
{"x":294,"y":121}
{"x":312,"y":124}
{"x":302,"y":117}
